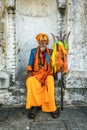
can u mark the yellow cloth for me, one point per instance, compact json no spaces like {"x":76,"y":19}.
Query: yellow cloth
{"x":53,"y":58}
{"x":38,"y":95}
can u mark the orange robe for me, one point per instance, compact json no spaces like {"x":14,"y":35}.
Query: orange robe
{"x":40,"y":87}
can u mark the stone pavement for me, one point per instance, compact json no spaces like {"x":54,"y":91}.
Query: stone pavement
{"x":71,"y":118}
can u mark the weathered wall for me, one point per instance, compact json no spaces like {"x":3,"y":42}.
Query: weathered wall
{"x":20,"y":21}
{"x":2,"y":36}
{"x":76,"y":83}
{"x":4,"y":76}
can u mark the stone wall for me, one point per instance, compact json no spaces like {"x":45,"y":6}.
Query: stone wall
{"x":21,"y":19}
{"x":4,"y":76}
{"x":2,"y":36}
{"x":76,"y":83}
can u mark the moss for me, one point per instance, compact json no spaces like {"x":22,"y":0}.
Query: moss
{"x":2,"y":79}
{"x":10,"y":90}
{"x":1,"y":104}
{"x":19,"y":60}
{"x":18,"y":93}
{"x":62,"y":11}
{"x":19,"y":50}
{"x":11,"y":81}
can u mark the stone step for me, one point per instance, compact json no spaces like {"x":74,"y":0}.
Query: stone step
{"x":75,"y":96}
{"x":74,"y":93}
{"x":76,"y":79}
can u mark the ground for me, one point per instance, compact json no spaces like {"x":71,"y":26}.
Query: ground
{"x":71,"y":118}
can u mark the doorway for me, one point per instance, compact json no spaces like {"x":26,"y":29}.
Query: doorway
{"x":32,"y":17}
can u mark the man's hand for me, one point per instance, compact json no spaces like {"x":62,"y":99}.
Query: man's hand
{"x":29,"y":74}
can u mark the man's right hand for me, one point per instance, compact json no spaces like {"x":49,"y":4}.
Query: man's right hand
{"x":29,"y":74}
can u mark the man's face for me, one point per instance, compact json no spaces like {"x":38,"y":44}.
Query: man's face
{"x":43,"y":44}
{"x":43,"y":41}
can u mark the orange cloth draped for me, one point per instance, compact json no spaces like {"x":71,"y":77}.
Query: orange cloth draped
{"x":44,"y":71}
{"x":61,"y":60}
{"x":40,"y":96}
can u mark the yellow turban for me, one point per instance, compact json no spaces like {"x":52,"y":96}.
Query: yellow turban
{"x":41,"y":36}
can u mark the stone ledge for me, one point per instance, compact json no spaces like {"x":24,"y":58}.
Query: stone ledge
{"x":81,"y":74}
{"x":76,"y":79}
{"x":76,"y":96}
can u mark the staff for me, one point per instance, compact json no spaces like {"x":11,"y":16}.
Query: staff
{"x":59,"y":59}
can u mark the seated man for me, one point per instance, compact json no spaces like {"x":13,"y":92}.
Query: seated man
{"x":40,"y":80}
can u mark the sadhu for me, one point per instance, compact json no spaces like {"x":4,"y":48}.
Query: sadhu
{"x":40,"y":80}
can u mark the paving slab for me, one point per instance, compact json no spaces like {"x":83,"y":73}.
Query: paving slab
{"x":48,"y":125}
